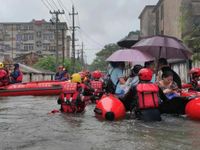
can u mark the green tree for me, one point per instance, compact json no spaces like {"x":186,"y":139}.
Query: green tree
{"x":190,"y":28}
{"x":100,"y":60}
{"x":49,"y":63}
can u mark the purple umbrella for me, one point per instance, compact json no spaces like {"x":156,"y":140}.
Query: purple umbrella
{"x":163,"y":46}
{"x":130,"y":55}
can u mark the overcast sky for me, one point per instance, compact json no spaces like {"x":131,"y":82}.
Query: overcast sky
{"x":101,"y":21}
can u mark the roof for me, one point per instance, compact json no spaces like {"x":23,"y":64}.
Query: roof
{"x":145,"y":8}
{"x":129,"y":40}
{"x":157,"y":5}
{"x":28,"y":69}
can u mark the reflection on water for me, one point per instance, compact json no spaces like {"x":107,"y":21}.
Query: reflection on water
{"x":25,"y":123}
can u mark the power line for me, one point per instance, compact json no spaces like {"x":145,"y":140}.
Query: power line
{"x":55,"y":5}
{"x":88,"y":36}
{"x":63,"y":6}
{"x":52,"y":7}
{"x":66,"y":10}
{"x":45,"y":5}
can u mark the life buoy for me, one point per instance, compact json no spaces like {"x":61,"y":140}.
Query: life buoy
{"x":192,"y":109}
{"x":110,"y":108}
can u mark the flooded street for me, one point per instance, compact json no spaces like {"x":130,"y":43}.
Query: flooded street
{"x":25,"y":124}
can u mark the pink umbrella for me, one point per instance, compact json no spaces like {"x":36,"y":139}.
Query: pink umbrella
{"x":130,"y":55}
{"x":163,"y":46}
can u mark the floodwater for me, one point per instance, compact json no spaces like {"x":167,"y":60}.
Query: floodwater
{"x":25,"y":124}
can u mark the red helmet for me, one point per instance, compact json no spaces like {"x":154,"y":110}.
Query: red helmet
{"x":145,"y":74}
{"x":82,"y":74}
{"x":195,"y":72}
{"x":96,"y":74}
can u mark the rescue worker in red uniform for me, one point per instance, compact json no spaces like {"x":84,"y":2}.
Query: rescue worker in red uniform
{"x":16,"y":76}
{"x":71,"y":100}
{"x":96,"y":85}
{"x":143,"y":98}
{"x":4,"y":75}
{"x":195,"y":77}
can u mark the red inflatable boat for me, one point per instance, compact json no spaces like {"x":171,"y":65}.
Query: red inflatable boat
{"x":192,"y":109}
{"x":40,"y":88}
{"x":110,"y":108}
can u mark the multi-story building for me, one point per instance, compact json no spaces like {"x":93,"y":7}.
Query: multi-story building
{"x":147,"y":21}
{"x":170,"y":17}
{"x":37,"y":36}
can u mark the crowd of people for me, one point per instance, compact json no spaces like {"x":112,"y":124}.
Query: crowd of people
{"x":148,"y":91}
{"x":168,"y":83}
{"x":10,"y":77}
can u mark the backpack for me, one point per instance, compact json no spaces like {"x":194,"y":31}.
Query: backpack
{"x":109,"y":86}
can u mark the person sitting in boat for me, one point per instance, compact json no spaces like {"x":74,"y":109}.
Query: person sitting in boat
{"x":62,"y":74}
{"x":4,"y":75}
{"x":170,"y":100}
{"x":143,"y":98}
{"x":151,"y":65}
{"x":16,"y":76}
{"x":59,"y":73}
{"x":195,"y":77}
{"x":133,"y":79}
{"x":168,"y":86}
{"x":115,"y":78}
{"x":164,"y":67}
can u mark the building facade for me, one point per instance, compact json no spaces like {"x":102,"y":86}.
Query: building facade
{"x":147,"y":21}
{"x":177,"y":18}
{"x":170,"y":17}
{"x":37,"y":36}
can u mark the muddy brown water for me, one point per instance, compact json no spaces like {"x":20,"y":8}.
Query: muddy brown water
{"x":26,"y":125}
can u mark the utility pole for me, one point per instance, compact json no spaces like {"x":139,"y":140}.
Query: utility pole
{"x":82,"y":60}
{"x":73,"y":38}
{"x":57,"y":20}
{"x":12,"y":44}
{"x":63,"y":46}
{"x":78,"y":54}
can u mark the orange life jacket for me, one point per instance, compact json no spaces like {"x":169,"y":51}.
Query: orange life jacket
{"x":70,"y":99}
{"x":147,"y":95}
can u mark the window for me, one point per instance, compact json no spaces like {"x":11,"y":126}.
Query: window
{"x":18,"y":27}
{"x":46,"y":46}
{"x":39,"y":34}
{"x":30,"y":27}
{"x":30,"y":36}
{"x":28,"y":47}
{"x":38,"y":43}
{"x":7,"y":47}
{"x":25,"y":37}
{"x":48,"y":36}
{"x":52,"y":48}
{"x":18,"y":37}
{"x":18,"y":46}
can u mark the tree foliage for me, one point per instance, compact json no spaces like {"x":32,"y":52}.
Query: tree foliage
{"x":100,"y":60}
{"x":49,"y":63}
{"x":190,"y":28}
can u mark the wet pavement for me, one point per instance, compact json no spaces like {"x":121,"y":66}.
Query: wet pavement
{"x":25,"y":124}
